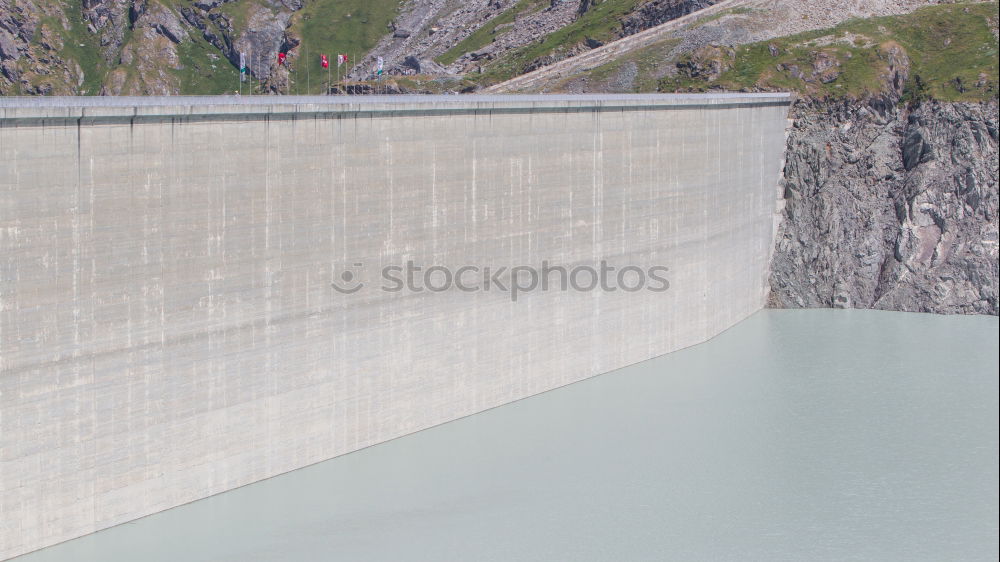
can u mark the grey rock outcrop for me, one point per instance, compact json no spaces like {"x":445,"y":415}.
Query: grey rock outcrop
{"x":32,"y":55}
{"x":108,"y":19}
{"x":9,"y":49}
{"x":655,"y":12}
{"x":12,"y":30}
{"x":163,"y":21}
{"x":425,"y":29}
{"x":890,"y":207}
{"x":139,"y":47}
{"x":151,"y":51}
{"x":423,"y":66}
{"x":265,"y":35}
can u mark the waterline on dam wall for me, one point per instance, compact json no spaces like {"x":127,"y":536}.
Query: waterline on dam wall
{"x":169,"y":327}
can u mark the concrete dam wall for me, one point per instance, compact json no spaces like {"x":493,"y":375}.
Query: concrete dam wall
{"x":193,"y":292}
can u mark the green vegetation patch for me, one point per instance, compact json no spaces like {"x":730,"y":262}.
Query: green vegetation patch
{"x":740,"y":10}
{"x":649,"y":61}
{"x":601,"y":23}
{"x":429,"y":84}
{"x":204,"y":71}
{"x":949,"y":53}
{"x":329,"y":27}
{"x":78,"y":45}
{"x":237,"y":12}
{"x":484,"y":35}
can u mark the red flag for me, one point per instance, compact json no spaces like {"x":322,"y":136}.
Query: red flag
{"x":324,"y":62}
{"x":281,"y":58}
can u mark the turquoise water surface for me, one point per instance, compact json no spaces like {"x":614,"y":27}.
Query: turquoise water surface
{"x":796,"y":435}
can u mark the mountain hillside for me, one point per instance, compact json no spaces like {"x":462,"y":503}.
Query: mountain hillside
{"x":638,"y":63}
{"x":143,"y":47}
{"x":488,"y":41}
{"x":117,"y":47}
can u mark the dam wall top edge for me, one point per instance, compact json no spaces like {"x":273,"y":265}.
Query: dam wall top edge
{"x":18,"y":109}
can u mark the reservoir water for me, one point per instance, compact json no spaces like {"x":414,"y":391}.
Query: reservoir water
{"x":796,"y":435}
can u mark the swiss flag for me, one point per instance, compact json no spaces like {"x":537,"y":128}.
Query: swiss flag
{"x":281,"y":58}
{"x":324,"y":61}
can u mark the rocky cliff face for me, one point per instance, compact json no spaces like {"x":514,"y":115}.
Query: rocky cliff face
{"x":889,"y":206}
{"x":108,"y":19}
{"x":32,"y":46}
{"x":656,"y":12}
{"x":143,"y":47}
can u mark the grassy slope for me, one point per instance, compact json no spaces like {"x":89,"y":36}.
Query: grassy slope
{"x":948,"y":45}
{"x":718,"y":16}
{"x":83,"y":47}
{"x":78,"y":45}
{"x":649,"y":62}
{"x":203,"y":68}
{"x":351,"y":27}
{"x":484,"y":35}
{"x":325,"y":26}
{"x":237,"y":12}
{"x":602,"y":23}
